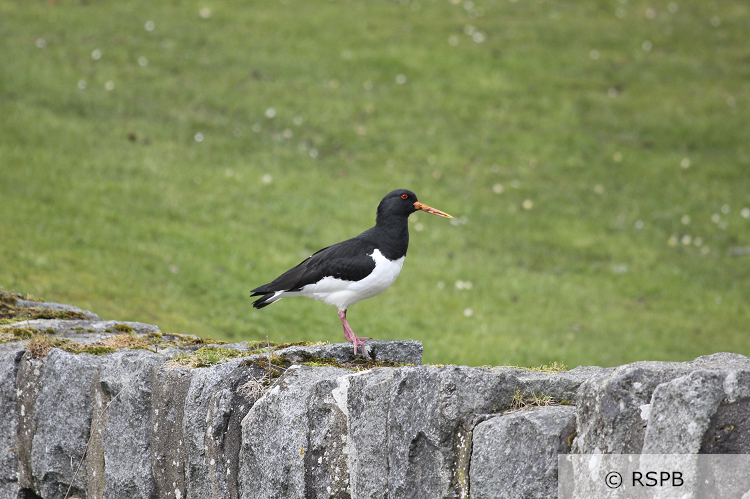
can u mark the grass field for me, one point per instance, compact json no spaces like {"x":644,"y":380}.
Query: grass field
{"x":158,"y":160}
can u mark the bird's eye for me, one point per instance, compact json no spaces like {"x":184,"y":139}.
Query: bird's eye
{"x":404,"y":196}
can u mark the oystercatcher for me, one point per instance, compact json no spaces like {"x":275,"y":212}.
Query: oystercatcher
{"x":355,"y":269}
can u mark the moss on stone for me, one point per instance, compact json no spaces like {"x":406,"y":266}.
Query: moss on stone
{"x":207,"y":356}
{"x":10,"y":312}
{"x":8,"y":335}
{"x":358,"y":364}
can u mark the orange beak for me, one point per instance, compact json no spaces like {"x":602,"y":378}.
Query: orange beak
{"x":428,"y":209}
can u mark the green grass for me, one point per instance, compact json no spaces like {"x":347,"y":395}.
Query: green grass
{"x":585,"y":109}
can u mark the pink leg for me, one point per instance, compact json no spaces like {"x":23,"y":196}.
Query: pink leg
{"x":349,"y":334}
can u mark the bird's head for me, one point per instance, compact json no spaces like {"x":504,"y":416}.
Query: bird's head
{"x":403,"y":202}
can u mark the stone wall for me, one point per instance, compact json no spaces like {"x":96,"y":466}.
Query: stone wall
{"x":305,"y":421}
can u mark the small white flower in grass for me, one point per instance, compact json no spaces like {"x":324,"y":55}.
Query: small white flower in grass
{"x":142,"y":61}
{"x":617,"y":157}
{"x":256,"y":127}
{"x":266,"y":179}
{"x":672,"y":241}
{"x":745,"y":212}
{"x":150,"y":25}
{"x":686,"y":239}
{"x":270,"y":113}
{"x":650,"y":13}
{"x":647,"y":45}
{"x":698,"y":241}
{"x":498,"y":188}
{"x":297,"y":120}
{"x":725,"y":209}
{"x":599,"y":189}
{"x":313,"y":152}
{"x":173,"y":269}
{"x":437,"y":175}
{"x":205,"y":12}
{"x":440,"y":285}
{"x":469,"y":30}
{"x":96,"y":54}
{"x":453,"y":40}
{"x":594,"y":54}
{"x":287,"y":134}
{"x":716,"y":218}
{"x":478,"y":37}
{"x":463,"y":285}
{"x":198,"y":137}
{"x":612,"y":92}
{"x":515,"y":184}
{"x":685,"y":163}
{"x":468,"y":312}
{"x":401,"y":79}
{"x":81,"y":85}
{"x":685,"y":220}
{"x":639,"y":224}
{"x":368,"y":85}
{"x":109,"y":85}
{"x":705,"y":250}
{"x":672,"y":7}
{"x":620,"y":268}
{"x":715,"y":21}
{"x":41,"y":43}
{"x":229,"y":172}
{"x":418,"y":227}
{"x":527,"y":204}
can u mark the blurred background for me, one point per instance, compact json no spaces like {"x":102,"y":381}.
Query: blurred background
{"x":158,"y":160}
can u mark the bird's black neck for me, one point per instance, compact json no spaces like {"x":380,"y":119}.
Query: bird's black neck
{"x":392,"y":236}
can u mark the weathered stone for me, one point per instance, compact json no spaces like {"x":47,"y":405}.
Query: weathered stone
{"x":614,"y":407}
{"x":168,"y":453}
{"x":122,"y":417}
{"x":282,"y":428}
{"x":57,"y":306}
{"x":230,"y":402}
{"x":515,"y":454}
{"x":402,"y":424}
{"x":680,"y":412}
{"x":402,"y":352}
{"x":62,"y":412}
{"x":218,"y":399}
{"x":9,"y":419}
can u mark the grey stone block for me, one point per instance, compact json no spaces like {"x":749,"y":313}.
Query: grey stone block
{"x":290,"y":421}
{"x":515,"y":455}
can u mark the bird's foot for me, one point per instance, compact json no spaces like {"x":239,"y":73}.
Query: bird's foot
{"x":358,"y":341}
{"x":350,"y":336}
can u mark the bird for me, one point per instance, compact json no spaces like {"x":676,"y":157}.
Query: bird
{"x":353,"y":270}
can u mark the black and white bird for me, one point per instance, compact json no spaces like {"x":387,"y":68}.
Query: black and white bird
{"x":355,"y":269}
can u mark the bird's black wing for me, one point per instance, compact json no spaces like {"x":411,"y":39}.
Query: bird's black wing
{"x":349,"y":260}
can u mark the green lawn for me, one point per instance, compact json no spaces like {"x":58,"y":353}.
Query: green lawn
{"x":158,"y":160}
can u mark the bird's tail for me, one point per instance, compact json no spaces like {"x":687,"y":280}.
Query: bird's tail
{"x":266,"y":299}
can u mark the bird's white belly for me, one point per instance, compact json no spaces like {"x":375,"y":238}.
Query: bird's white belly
{"x":343,"y":294}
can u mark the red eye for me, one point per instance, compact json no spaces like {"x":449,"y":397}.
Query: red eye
{"x":404,"y":196}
